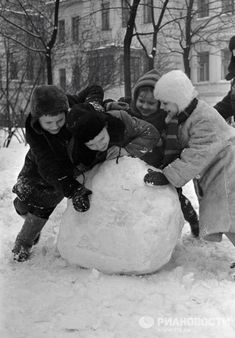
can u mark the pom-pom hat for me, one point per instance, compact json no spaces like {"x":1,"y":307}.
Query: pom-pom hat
{"x":48,"y":100}
{"x":149,"y":79}
{"x":175,"y":87}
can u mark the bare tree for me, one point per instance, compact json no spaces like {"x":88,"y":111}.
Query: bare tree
{"x":132,"y":31}
{"x":196,"y":25}
{"x":15,"y":93}
{"x":38,"y":31}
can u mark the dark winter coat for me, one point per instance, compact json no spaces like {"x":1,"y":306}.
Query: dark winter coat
{"x":136,"y":136}
{"x":47,"y":157}
{"x":226,"y":107}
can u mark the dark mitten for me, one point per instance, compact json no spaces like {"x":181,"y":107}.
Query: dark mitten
{"x":80,"y":199}
{"x":155,"y":178}
{"x":69,"y":185}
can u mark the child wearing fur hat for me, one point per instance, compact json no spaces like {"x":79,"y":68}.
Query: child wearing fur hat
{"x":98,"y":136}
{"x":48,"y":174}
{"x":207,"y":156}
{"x":226,"y":107}
{"x":146,"y":107}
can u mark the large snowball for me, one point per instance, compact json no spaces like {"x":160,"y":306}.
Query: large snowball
{"x":129,"y":228}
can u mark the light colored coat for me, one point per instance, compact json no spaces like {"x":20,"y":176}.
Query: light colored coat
{"x":208,"y":158}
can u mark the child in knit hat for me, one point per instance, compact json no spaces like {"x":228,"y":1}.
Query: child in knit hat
{"x":48,"y":174}
{"x":226,"y":107}
{"x":207,"y":156}
{"x":98,"y":136}
{"x":146,"y":107}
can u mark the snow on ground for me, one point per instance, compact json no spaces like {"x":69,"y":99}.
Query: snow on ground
{"x":192,"y":296}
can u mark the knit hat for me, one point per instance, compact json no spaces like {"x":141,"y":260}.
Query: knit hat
{"x":48,"y":100}
{"x":149,"y":79}
{"x":231,"y":67}
{"x":175,"y":87}
{"x":85,"y":122}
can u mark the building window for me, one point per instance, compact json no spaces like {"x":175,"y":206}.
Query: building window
{"x":136,"y":68}
{"x":125,"y":13}
{"x":225,"y":60}
{"x":148,"y":5}
{"x":62,"y":78}
{"x":61,"y":31}
{"x":102,"y":69}
{"x":0,"y":76}
{"x":76,"y":77}
{"x":203,"y":66}
{"x":228,"y":6}
{"x":75,"y":28}
{"x":203,"y":8}
{"x":29,"y":67}
{"x":105,"y":16}
{"x":13,"y":68}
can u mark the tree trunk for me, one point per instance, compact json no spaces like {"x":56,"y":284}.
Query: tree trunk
{"x":127,"y":47}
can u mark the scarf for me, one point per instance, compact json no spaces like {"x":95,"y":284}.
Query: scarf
{"x":172,"y":147}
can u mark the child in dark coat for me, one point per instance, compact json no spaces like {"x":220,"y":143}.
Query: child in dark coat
{"x":98,"y":136}
{"x":146,"y":107}
{"x":48,"y":173}
{"x":226,"y":107}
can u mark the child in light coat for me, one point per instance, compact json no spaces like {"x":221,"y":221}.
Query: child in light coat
{"x":207,"y":156}
{"x":146,"y":107}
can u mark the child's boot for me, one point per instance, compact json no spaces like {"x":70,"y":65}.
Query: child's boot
{"x":28,"y":236}
{"x":189,"y":213}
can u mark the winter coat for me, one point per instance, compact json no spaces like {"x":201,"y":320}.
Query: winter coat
{"x":48,"y":157}
{"x":208,"y":157}
{"x":226,"y":107}
{"x":157,"y":119}
{"x":135,"y":135}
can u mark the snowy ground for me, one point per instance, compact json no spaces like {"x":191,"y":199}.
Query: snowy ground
{"x":192,"y":296}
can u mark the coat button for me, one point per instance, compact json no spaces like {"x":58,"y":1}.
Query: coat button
{"x":198,"y":177}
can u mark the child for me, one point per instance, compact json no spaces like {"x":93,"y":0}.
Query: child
{"x":98,"y":136}
{"x":226,"y":107}
{"x":48,"y":174}
{"x":208,"y":155}
{"x":146,"y":107}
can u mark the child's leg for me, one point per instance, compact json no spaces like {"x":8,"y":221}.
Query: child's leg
{"x":25,"y":239}
{"x":38,"y":200}
{"x":189,"y":213}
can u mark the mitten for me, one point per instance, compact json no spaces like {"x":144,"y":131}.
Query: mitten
{"x":117,"y":106}
{"x":80,"y":199}
{"x":155,"y":178}
{"x":68,"y":185}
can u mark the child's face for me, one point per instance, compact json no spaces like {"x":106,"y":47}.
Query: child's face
{"x":146,"y":103}
{"x":170,"y":108}
{"x":52,"y":124}
{"x":100,"y":142}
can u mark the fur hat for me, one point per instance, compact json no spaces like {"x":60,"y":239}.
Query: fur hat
{"x":48,"y":100}
{"x":85,"y":122}
{"x":175,"y":87}
{"x":231,"y":67}
{"x":149,"y":79}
